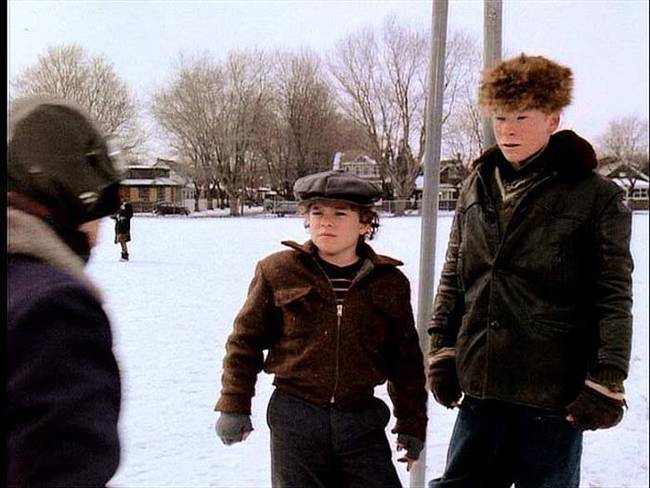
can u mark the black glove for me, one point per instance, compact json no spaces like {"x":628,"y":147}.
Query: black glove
{"x":413,"y":446}
{"x":442,"y":378}
{"x":594,"y":410}
{"x":231,"y":427}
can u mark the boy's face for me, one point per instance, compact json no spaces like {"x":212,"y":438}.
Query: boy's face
{"x":335,"y":229}
{"x":521,"y":134}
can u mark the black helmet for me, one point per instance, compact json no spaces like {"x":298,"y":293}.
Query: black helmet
{"x":58,"y":157}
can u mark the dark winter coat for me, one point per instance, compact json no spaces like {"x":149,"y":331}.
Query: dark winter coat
{"x":321,"y":356}
{"x":123,"y":223}
{"x":533,"y":311}
{"x":63,"y":384}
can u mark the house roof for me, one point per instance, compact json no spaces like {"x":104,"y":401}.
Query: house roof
{"x":625,"y":183}
{"x":614,"y":168}
{"x":151,"y":182}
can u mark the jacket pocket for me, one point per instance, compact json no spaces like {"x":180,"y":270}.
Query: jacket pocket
{"x":387,"y":309}
{"x":470,"y":325}
{"x":285,"y":296}
{"x":551,"y":327}
{"x":295,"y":309}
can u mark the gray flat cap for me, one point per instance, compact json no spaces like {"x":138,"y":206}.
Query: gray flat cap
{"x":336,"y":185}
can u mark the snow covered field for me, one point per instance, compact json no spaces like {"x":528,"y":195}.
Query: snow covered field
{"x":172,"y":308}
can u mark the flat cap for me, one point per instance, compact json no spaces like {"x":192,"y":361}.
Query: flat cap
{"x":336,"y":185}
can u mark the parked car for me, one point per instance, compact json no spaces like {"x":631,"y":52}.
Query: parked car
{"x":164,"y":208}
{"x":281,"y":207}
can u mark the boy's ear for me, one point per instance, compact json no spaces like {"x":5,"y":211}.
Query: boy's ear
{"x":554,"y":122}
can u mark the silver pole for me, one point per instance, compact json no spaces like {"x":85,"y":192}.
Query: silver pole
{"x":431,"y":188}
{"x":492,"y":14}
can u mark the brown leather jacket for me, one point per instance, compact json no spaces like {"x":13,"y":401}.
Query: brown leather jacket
{"x":321,"y":353}
{"x":533,"y":310}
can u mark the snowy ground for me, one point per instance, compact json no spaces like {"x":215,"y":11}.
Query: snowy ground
{"x":172,"y":308}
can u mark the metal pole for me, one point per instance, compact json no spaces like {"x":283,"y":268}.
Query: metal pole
{"x":492,"y":14}
{"x":431,"y":164}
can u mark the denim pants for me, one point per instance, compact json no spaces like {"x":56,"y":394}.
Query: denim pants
{"x":314,"y":446}
{"x":496,"y":444}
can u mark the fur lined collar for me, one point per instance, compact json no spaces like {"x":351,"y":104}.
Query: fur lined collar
{"x":566,"y":152}
{"x":377,"y":259}
{"x":30,"y":236}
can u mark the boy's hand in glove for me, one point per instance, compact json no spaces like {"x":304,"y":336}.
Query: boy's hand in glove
{"x":413,"y":447}
{"x":442,"y":378}
{"x":593,"y":409}
{"x":233,"y":427}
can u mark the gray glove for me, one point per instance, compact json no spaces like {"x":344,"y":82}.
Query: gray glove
{"x":231,"y":427}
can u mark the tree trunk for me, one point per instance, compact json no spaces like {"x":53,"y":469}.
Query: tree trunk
{"x":235,"y":205}
{"x":399,"y":206}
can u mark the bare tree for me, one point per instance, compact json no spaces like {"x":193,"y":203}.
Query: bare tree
{"x":382,"y":81}
{"x":187,"y":110}
{"x":462,"y":135}
{"x":242,"y":107}
{"x":302,"y":137}
{"x":69,"y":72}
{"x":626,"y":140}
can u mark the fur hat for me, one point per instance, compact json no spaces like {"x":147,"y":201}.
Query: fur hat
{"x":525,"y":83}
{"x":336,"y":185}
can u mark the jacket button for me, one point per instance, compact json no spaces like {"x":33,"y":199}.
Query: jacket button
{"x":495,"y":324}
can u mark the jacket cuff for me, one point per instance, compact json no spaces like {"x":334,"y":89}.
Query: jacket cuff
{"x":442,"y":354}
{"x":609,"y":376}
{"x":234,"y":404}
{"x":416,"y":427}
{"x":436,"y":342}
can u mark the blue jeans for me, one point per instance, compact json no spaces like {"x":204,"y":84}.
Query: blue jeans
{"x":496,"y":444}
{"x":315,"y":446}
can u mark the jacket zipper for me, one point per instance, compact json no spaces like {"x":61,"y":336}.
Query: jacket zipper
{"x":339,"y":315}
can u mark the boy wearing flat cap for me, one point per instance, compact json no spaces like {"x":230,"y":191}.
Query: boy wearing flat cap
{"x":336,"y":321}
{"x":532,"y":318}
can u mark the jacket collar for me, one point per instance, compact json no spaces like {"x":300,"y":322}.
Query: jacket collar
{"x":30,"y":236}
{"x":309,"y":248}
{"x":566,"y":152}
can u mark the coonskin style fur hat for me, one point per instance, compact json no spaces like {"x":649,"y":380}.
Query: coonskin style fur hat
{"x":526,"y":83}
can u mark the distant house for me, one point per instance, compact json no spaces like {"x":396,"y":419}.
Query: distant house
{"x":147,"y":185}
{"x":359,"y":164}
{"x":452,"y":174}
{"x":633,"y":181}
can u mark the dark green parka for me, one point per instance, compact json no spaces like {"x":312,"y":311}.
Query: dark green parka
{"x":535,"y":308}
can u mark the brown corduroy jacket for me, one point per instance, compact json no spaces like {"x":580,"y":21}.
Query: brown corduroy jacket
{"x":322,"y":353}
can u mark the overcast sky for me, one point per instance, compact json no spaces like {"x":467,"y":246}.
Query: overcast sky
{"x":605,"y":42}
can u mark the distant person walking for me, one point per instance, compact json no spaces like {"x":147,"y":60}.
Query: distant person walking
{"x":336,"y":321}
{"x":62,"y":381}
{"x":123,"y":227}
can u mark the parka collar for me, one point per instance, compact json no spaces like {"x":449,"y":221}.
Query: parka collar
{"x":309,"y":248}
{"x":566,"y":152}
{"x":30,"y":236}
